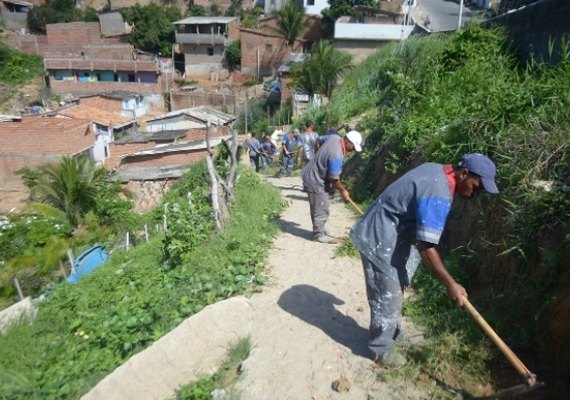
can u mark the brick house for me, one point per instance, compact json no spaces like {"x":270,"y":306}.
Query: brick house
{"x":263,"y":50}
{"x":149,"y":162}
{"x":148,"y":174}
{"x":192,"y":118}
{"x":201,"y":43}
{"x":34,"y":141}
{"x":108,"y":126}
{"x":79,"y":61}
{"x":125,"y":103}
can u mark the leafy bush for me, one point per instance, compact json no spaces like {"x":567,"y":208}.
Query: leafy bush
{"x":18,"y":68}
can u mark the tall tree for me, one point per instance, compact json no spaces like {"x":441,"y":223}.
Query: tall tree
{"x":322,"y":70}
{"x":290,"y":22}
{"x":70,"y":186}
{"x":153,"y":30}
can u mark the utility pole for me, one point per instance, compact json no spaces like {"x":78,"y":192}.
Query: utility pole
{"x":460,"y":14}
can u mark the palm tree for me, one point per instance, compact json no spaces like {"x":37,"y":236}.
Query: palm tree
{"x":322,"y":70}
{"x":70,"y":186}
{"x":290,"y":22}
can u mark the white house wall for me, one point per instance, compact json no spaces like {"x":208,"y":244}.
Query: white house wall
{"x":345,"y":30}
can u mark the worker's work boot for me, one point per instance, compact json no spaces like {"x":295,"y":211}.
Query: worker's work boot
{"x":393,"y":359}
{"x":326,"y":239}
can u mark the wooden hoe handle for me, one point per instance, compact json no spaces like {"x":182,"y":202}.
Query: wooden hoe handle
{"x":529,"y":377}
{"x":355,"y":206}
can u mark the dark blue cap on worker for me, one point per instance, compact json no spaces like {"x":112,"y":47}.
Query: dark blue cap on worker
{"x":483,"y":167}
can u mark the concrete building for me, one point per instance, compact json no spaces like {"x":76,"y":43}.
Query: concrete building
{"x":360,"y":36}
{"x":311,"y":7}
{"x":201,"y":43}
{"x":14,"y":13}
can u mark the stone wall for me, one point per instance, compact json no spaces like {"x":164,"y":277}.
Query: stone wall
{"x":147,"y":194}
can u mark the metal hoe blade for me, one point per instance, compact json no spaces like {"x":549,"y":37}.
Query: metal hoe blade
{"x":513,"y":391}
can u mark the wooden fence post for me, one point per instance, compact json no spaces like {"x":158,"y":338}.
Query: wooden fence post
{"x":18,"y":289}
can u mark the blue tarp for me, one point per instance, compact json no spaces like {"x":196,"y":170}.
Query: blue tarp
{"x":87,"y":262}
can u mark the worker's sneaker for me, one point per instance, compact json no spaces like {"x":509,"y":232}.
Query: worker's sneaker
{"x":326,"y":239}
{"x":394,"y":359}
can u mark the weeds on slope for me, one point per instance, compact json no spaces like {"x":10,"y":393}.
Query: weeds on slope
{"x":84,"y":331}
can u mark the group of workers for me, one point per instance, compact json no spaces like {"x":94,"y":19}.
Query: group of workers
{"x":398,"y":231}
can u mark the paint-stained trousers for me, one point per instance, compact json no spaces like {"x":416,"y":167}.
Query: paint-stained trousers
{"x":385,"y":297}
{"x":319,"y":205}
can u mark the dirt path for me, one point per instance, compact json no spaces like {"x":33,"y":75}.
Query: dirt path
{"x":308,"y":327}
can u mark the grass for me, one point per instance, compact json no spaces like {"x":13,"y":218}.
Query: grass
{"x":224,"y":378}
{"x":84,"y":331}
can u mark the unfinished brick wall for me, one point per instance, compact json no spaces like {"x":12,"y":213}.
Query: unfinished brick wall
{"x":263,"y":49}
{"x":86,"y":88}
{"x":29,"y":44}
{"x":183,"y":99}
{"x":49,"y":140}
{"x":166,"y":159}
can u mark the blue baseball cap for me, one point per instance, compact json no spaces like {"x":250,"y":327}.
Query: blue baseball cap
{"x":482,"y":166}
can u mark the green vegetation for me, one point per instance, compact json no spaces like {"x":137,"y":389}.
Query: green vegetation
{"x":56,"y":12}
{"x":224,"y":378}
{"x":438,"y":97}
{"x":453,"y":352}
{"x":290,"y":22}
{"x":76,"y":206}
{"x":84,"y":331}
{"x":153,"y":30}
{"x":18,"y":68}
{"x":70,"y":186}
{"x":321,"y":71}
{"x":233,"y":55}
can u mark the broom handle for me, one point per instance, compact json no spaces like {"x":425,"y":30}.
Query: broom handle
{"x":513,"y":359}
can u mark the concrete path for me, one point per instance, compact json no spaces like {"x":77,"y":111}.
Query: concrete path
{"x":308,"y":327}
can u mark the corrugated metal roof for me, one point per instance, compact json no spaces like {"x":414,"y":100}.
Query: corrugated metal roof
{"x":143,"y":137}
{"x":172,"y":148}
{"x":203,"y":113}
{"x":204,"y":20}
{"x":19,"y":3}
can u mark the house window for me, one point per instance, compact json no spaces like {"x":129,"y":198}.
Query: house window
{"x":268,"y":47}
{"x":210,"y":51}
{"x":106,"y":151}
{"x":115,"y":77}
{"x":310,"y":2}
{"x":131,"y":77}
